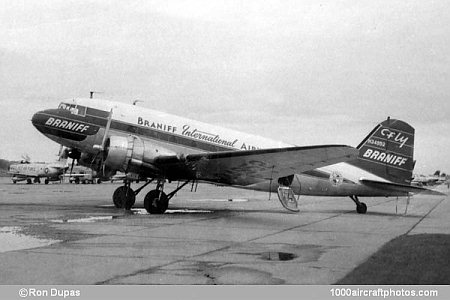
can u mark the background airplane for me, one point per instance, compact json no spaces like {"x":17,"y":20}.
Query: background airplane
{"x":112,"y":136}
{"x":430,"y":180}
{"x":32,"y":172}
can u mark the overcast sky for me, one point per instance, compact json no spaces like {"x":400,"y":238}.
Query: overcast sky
{"x":304,"y":72}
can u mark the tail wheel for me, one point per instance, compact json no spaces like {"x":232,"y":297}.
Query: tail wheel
{"x":362,"y":208}
{"x":156,"y":202}
{"x":124,"y":197}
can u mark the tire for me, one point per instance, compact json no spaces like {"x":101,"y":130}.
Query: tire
{"x":124,"y":197}
{"x":361,"y":209}
{"x":154,"y":203}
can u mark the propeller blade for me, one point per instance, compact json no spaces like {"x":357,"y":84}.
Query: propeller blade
{"x":105,"y":136}
{"x":71,"y":168}
{"x":107,"y":129}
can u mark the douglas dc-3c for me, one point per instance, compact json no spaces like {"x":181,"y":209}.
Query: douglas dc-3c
{"x":113,"y":136}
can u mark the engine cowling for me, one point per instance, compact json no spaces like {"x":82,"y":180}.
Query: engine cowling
{"x":131,"y":154}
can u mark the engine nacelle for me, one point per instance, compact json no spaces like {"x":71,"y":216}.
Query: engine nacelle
{"x":131,"y":154}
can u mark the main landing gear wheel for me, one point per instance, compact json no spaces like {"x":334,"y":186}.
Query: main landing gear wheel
{"x":156,"y":202}
{"x":124,"y":197}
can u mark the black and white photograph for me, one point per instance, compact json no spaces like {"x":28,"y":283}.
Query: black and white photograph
{"x":281,"y":149}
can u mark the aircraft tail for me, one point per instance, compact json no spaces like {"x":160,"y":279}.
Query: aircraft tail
{"x":388,"y":151}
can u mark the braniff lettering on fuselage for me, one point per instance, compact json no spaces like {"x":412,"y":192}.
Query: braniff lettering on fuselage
{"x":112,"y":136}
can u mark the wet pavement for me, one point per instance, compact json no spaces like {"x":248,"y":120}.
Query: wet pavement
{"x":71,"y":234}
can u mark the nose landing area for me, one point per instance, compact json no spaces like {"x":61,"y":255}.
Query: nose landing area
{"x":54,"y":122}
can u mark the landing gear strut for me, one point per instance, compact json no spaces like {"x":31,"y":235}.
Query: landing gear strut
{"x":361,"y":207}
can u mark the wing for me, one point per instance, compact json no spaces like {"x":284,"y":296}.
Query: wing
{"x":250,"y":166}
{"x":396,"y":187}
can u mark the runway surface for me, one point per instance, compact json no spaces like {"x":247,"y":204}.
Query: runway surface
{"x":71,"y":234}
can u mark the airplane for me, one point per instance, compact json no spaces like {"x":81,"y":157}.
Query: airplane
{"x":33,"y":172}
{"x":114,"y":136}
{"x":436,"y":179}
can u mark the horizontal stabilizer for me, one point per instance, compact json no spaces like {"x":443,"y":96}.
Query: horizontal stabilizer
{"x":397,"y":187}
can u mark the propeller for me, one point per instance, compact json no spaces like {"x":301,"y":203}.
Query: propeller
{"x":71,"y":168}
{"x":101,"y":149}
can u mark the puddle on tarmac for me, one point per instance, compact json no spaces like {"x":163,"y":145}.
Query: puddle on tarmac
{"x":84,"y":220}
{"x":141,"y":211}
{"x":11,"y":239}
{"x":278,"y":256}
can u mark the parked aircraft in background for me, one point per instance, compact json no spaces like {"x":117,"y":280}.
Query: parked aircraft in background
{"x":113,"y":136}
{"x":34,"y":172}
{"x":430,"y":180}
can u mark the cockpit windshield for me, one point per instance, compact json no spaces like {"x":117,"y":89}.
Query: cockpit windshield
{"x":73,"y":108}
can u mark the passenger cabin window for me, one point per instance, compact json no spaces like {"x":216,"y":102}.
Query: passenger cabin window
{"x":74,"y":108}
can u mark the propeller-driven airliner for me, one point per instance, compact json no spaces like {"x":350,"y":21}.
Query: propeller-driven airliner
{"x":110,"y":136}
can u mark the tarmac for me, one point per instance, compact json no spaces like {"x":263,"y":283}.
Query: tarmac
{"x":72,"y":234}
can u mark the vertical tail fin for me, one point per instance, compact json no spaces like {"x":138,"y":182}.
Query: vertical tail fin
{"x":388,"y":151}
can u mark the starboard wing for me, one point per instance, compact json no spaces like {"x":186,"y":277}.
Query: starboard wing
{"x":244,"y":167}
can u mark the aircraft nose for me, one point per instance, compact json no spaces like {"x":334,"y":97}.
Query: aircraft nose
{"x":60,"y":123}
{"x":38,"y":120}
{"x":35,"y":118}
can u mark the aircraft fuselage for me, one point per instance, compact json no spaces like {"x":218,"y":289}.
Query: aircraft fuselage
{"x":81,"y":124}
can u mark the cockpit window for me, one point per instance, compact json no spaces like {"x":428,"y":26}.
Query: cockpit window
{"x":73,"y":108}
